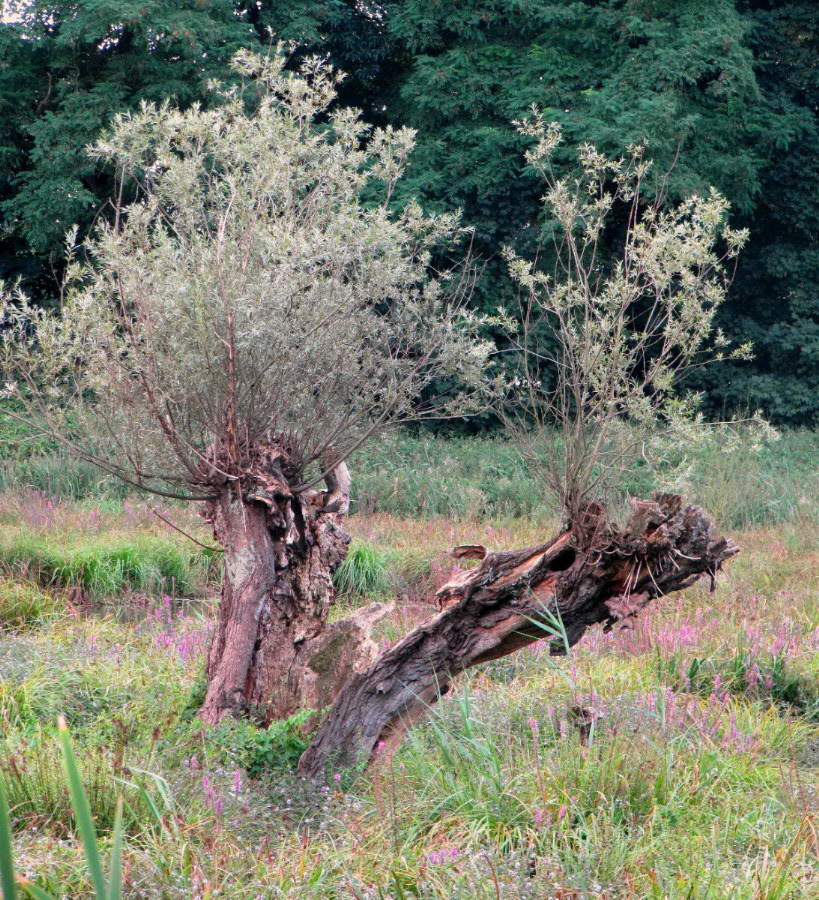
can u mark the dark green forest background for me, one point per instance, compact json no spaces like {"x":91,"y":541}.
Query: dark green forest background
{"x":723,"y":93}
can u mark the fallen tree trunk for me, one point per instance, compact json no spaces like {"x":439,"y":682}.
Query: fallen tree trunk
{"x":593,"y":573}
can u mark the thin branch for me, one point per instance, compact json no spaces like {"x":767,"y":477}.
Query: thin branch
{"x":190,"y":537}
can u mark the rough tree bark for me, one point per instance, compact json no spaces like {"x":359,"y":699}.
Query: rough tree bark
{"x":592,"y":573}
{"x":272,"y":652}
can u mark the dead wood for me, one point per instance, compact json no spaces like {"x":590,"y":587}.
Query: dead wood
{"x":593,"y":573}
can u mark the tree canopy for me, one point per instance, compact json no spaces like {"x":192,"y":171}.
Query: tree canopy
{"x":618,"y":338}
{"x":723,"y":94}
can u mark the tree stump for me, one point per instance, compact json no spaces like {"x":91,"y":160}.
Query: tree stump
{"x":273,"y":652}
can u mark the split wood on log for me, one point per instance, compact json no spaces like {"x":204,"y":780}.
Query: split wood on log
{"x":592,"y":573}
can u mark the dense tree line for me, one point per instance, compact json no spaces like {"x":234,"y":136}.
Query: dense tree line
{"x":722,"y":92}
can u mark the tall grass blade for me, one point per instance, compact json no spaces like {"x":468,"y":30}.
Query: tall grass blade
{"x":6,"y":858}
{"x":552,"y":624}
{"x":37,"y":892}
{"x":82,"y":813}
{"x":162,"y":789}
{"x":115,"y":875}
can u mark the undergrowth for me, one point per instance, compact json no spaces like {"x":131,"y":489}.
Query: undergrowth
{"x":676,"y":760}
{"x":24,"y":605}
{"x":106,"y":564}
{"x":742,"y":484}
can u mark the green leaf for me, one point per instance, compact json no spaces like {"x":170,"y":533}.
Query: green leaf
{"x":6,"y":858}
{"x":82,"y":813}
{"x":37,"y":892}
{"x":552,"y":624}
{"x":115,"y":875}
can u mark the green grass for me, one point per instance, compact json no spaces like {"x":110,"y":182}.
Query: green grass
{"x":105,"y":565}
{"x":33,"y":781}
{"x":105,"y":887}
{"x":58,"y":476}
{"x":365,"y":572}
{"x":697,"y":780}
{"x":744,"y":485}
{"x":23,"y":606}
{"x":455,"y":479}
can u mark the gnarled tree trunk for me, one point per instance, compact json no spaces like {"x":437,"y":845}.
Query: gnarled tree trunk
{"x":593,"y":573}
{"x":272,"y":652}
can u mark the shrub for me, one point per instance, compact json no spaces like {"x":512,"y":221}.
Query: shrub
{"x":261,"y":751}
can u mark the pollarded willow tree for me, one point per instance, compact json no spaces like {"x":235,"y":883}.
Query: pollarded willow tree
{"x":606,"y":340}
{"x":618,"y":335}
{"x":256,"y":314}
{"x":233,"y":334}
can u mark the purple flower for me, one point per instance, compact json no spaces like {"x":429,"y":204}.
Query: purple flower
{"x":438,"y":857}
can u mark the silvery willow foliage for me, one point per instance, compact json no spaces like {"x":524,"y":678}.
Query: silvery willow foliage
{"x":618,"y":333}
{"x":260,"y":290}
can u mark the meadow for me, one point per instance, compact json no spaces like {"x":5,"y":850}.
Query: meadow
{"x":674,"y":760}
